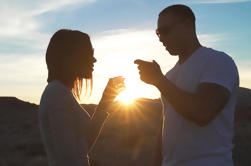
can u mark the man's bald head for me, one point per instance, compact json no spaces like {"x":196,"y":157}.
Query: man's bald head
{"x":181,"y":12}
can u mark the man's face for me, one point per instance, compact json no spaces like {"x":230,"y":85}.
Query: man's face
{"x":170,"y":32}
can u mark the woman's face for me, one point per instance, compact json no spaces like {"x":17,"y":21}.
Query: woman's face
{"x":86,"y":62}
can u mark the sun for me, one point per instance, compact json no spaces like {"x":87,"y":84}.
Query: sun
{"x":132,"y":91}
{"x":126,"y":97}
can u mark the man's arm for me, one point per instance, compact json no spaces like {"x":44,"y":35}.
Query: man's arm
{"x":200,"y":107}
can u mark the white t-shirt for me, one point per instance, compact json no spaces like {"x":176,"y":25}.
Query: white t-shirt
{"x":185,"y":143}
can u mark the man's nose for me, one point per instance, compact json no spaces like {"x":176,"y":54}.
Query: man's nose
{"x":94,"y":60}
{"x":161,"y":38}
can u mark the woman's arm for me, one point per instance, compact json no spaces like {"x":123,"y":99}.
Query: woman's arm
{"x":113,"y":88}
{"x":96,"y":124}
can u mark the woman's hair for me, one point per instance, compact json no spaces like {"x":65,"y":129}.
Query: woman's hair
{"x":63,"y":55}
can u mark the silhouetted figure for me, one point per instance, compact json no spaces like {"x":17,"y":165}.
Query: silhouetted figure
{"x":67,"y":129}
{"x":198,"y":95}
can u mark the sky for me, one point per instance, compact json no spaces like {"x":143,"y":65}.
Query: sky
{"x":120,"y":31}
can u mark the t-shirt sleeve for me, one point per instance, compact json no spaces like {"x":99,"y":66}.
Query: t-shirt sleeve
{"x":220,"y":69}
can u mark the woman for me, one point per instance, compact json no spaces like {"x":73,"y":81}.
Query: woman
{"x":67,"y":129}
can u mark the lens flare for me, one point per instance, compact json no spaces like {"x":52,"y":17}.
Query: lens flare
{"x":133,"y":90}
{"x":126,"y":97}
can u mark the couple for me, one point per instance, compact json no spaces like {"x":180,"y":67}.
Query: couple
{"x":198,"y":96}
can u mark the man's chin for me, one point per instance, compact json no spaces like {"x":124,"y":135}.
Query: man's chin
{"x":171,"y":52}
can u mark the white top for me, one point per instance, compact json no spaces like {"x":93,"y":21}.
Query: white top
{"x":186,"y":144}
{"x":64,"y":126}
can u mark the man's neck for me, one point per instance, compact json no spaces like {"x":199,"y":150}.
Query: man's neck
{"x":188,"y":51}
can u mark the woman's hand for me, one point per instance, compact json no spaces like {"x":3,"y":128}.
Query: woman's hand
{"x":114,"y":86}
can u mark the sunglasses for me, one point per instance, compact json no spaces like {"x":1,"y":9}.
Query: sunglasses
{"x":167,"y":29}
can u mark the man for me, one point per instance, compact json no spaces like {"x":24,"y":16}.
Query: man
{"x":198,"y":94}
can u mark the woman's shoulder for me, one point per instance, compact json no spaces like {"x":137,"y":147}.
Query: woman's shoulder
{"x":56,"y":93}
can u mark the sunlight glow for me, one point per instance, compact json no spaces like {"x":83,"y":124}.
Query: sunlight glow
{"x":126,"y":97}
{"x":133,"y":90}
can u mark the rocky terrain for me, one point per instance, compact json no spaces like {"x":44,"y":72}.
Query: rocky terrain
{"x":128,"y":138}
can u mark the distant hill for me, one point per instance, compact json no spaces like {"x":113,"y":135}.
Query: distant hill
{"x":13,"y":102}
{"x":243,"y":107}
{"x":128,"y":138}
{"x":244,"y":98}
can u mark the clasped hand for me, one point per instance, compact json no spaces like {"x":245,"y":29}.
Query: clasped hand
{"x":114,"y":86}
{"x":149,"y":72}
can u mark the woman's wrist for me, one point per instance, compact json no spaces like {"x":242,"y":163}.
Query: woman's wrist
{"x":102,"y":106}
{"x":101,"y":110}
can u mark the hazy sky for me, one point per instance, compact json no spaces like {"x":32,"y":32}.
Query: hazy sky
{"x":121,"y":31}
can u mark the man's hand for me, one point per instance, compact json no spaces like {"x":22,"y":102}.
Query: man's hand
{"x":150,"y":72}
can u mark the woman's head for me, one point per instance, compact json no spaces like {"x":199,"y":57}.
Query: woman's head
{"x":69,"y":58}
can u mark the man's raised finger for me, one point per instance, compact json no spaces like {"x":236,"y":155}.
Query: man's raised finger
{"x":139,"y":62}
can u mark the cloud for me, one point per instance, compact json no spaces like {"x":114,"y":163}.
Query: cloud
{"x":18,"y":16}
{"x":211,"y":40}
{"x":23,"y":76}
{"x":212,"y":1}
{"x":115,"y":51}
{"x":19,"y":23}
{"x":22,"y":68}
{"x":23,"y":45}
{"x":125,"y":45}
{"x":244,"y":68}
{"x":221,"y":1}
